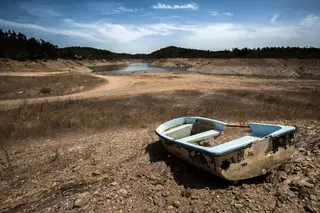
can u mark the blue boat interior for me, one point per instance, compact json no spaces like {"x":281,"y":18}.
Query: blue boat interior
{"x":191,"y":130}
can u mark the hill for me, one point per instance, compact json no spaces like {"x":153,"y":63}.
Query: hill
{"x":19,"y":47}
{"x":265,"y":52}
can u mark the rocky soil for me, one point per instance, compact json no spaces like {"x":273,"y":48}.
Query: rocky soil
{"x":102,"y":155}
{"x":59,"y":65}
{"x":128,"y":170}
{"x":258,"y":67}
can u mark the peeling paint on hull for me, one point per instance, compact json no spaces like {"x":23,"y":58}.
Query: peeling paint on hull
{"x":253,"y":159}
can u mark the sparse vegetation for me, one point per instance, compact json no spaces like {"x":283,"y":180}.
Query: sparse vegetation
{"x":143,"y":110}
{"x":101,"y":155}
{"x":106,"y":149}
{"x":45,"y":90}
{"x":13,"y":87}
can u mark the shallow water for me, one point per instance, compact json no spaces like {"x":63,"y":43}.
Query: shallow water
{"x":135,"y":67}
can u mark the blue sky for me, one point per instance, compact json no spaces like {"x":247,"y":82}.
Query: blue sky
{"x":146,"y":25}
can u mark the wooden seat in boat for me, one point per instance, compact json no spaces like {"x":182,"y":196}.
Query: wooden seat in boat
{"x":179,"y":131}
{"x":199,"y":136}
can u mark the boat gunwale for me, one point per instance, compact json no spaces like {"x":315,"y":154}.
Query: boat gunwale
{"x":208,"y":150}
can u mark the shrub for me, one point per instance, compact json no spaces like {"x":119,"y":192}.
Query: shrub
{"x":45,"y":90}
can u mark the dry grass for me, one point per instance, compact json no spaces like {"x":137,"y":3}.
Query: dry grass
{"x":12,"y":87}
{"x":151,"y":109}
{"x":112,"y":140}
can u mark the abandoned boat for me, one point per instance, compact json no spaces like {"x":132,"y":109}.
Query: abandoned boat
{"x":265,"y":147}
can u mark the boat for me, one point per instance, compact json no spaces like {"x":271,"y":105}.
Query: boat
{"x":264,"y":147}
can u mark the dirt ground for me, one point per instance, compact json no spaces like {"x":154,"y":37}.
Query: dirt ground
{"x":257,"y":67}
{"x":59,"y":65}
{"x":96,"y":151}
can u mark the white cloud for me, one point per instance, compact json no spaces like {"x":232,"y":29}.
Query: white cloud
{"x":192,"y":6}
{"x":274,"y":18}
{"x":39,"y":10}
{"x":67,"y":32}
{"x":228,"y":14}
{"x":124,"y":10}
{"x":215,"y":13}
{"x":148,"y":37}
{"x":310,"y":21}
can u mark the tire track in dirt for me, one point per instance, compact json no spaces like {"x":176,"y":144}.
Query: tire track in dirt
{"x":117,"y":85}
{"x":130,"y":85}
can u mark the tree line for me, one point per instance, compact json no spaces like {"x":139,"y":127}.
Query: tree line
{"x":265,"y":52}
{"x":19,"y":47}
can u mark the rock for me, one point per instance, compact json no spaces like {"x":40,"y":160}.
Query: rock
{"x":301,"y":149}
{"x":303,"y":192}
{"x":165,"y":193}
{"x":238,"y":205}
{"x":114,"y":183}
{"x":157,"y":201}
{"x":308,"y":208}
{"x":186,"y":193}
{"x":313,"y":198}
{"x":195,"y":210}
{"x":20,"y":92}
{"x":245,"y":186}
{"x":95,"y":173}
{"x":82,"y":199}
{"x":282,"y":175}
{"x":159,"y":187}
{"x":267,"y":187}
{"x":194,"y":196}
{"x":176,"y":203}
{"x":301,"y":183}
{"x":123,"y":192}
{"x":294,"y":189}
{"x":152,"y":177}
{"x":170,"y":207}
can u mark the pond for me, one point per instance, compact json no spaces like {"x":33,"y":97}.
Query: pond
{"x":135,"y":67}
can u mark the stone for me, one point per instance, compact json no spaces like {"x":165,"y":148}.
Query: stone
{"x":186,"y":193}
{"x":114,"y":183}
{"x":95,"y":173}
{"x":301,"y":149}
{"x":81,"y":200}
{"x":238,"y":205}
{"x":170,"y":207}
{"x":283,"y":176}
{"x":195,"y":210}
{"x":152,"y":177}
{"x":176,"y":203}
{"x":313,"y":198}
{"x":308,"y":208}
{"x":165,"y":193}
{"x":159,"y":187}
{"x":301,"y":183}
{"x":123,"y":192}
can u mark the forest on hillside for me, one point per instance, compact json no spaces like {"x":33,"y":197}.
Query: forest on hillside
{"x":265,"y":52}
{"x":18,"y":47}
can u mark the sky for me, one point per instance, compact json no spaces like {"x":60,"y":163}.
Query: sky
{"x":146,"y":25}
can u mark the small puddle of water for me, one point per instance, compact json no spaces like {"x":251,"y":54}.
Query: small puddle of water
{"x":135,"y":67}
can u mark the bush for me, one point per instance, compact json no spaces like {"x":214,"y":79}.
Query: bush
{"x":45,"y":90}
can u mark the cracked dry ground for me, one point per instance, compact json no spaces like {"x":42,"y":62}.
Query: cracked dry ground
{"x":127,"y":170}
